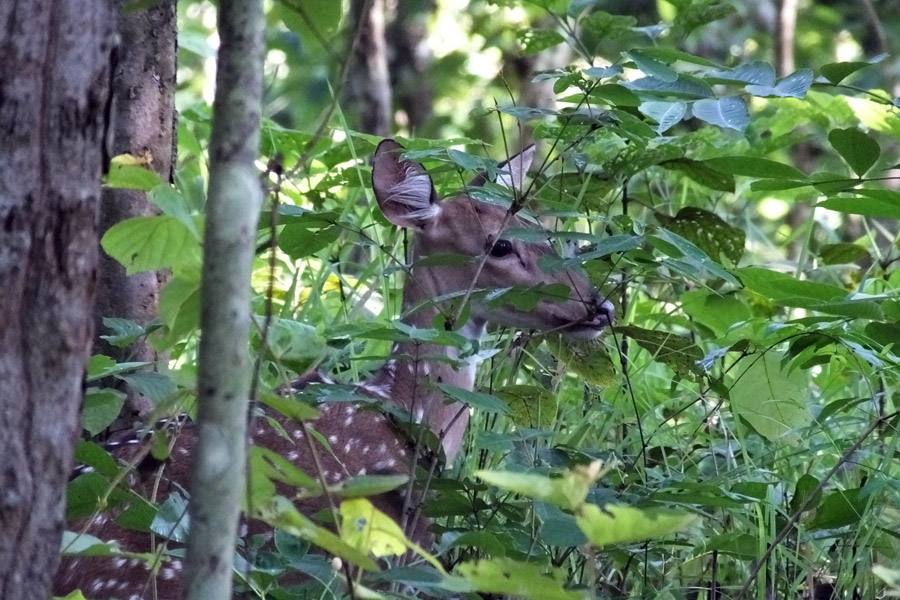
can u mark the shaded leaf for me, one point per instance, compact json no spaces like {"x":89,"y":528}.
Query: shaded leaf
{"x":857,"y":148}
{"x":772,"y":400}
{"x":677,"y":352}
{"x":708,"y":232}
{"x":730,"y":112}
{"x":702,"y":174}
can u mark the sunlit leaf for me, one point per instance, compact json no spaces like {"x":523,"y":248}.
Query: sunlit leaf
{"x":614,"y":524}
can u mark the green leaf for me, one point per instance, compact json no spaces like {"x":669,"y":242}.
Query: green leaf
{"x":615,"y":95}
{"x":281,"y":512}
{"x":91,"y":454}
{"x":156,"y":386}
{"x":666,"y":114}
{"x":794,"y":85}
{"x":842,"y":253}
{"x":755,"y":73}
{"x":567,"y":491}
{"x":652,"y":67}
{"x":485,"y":402}
{"x":786,"y":290}
{"x":872,"y":203}
{"x":529,"y":405}
{"x":752,"y":166}
{"x":130,"y":175}
{"x":537,"y":40}
{"x":677,"y":352}
{"x":838,"y":71}
{"x":839,"y":509}
{"x":702,"y":174}
{"x":729,"y":112}
{"x":708,"y":232}
{"x":101,"y":407}
{"x":369,"y":485}
{"x":678,"y":247}
{"x":857,"y":148}
{"x":171,"y":520}
{"x":123,"y":332}
{"x":614,"y":524}
{"x":516,"y":579}
{"x":589,"y":359}
{"x":304,"y":18}
{"x":772,"y":399}
{"x":152,"y":243}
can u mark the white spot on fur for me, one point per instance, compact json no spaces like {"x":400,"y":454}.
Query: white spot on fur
{"x":385,"y":464}
{"x":332,"y":439}
{"x":176,"y":564}
{"x":99,"y":520}
{"x":292,"y":456}
{"x":348,"y":421}
{"x":361,"y":471}
{"x":297,"y":434}
{"x":167,"y":574}
{"x":349,"y":410}
{"x":120,"y":562}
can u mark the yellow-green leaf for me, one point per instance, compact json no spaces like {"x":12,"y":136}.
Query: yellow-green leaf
{"x":614,"y":524}
{"x":567,"y":491}
{"x":517,"y":579}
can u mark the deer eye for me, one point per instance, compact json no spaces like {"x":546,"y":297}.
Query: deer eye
{"x":501,"y":248}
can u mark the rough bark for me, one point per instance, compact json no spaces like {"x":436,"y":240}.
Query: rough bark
{"x":54,"y":74}
{"x":235,"y":197}
{"x":369,"y":84}
{"x":142,"y":123}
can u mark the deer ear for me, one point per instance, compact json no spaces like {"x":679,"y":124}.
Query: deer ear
{"x":403,"y":188}
{"x":512,"y":171}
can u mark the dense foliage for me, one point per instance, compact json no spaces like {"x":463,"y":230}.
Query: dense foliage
{"x":742,"y":412}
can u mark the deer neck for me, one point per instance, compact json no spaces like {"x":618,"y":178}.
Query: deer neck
{"x":410,"y":379}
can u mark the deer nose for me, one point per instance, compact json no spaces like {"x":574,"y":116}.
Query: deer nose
{"x":605,"y":311}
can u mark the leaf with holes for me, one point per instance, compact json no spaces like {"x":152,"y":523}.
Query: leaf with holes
{"x":857,"y":148}
{"x":677,"y":352}
{"x":518,"y":579}
{"x":701,"y":173}
{"x":589,"y":359}
{"x":708,"y":232}
{"x":529,"y":405}
{"x":772,"y":399}
{"x":615,"y":524}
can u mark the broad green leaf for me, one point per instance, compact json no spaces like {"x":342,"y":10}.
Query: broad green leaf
{"x":838,"y":71}
{"x":369,"y":485}
{"x":484,"y":402}
{"x":670,"y":55}
{"x":680,"y":248}
{"x":752,"y":166}
{"x":708,"y":232}
{"x":169,"y":200}
{"x":772,"y":399}
{"x":369,"y":530}
{"x":130,"y":172}
{"x":615,"y":95}
{"x":842,"y":253}
{"x":123,"y":332}
{"x":614,"y":524}
{"x":857,"y":148}
{"x":529,"y":405}
{"x":83,"y":544}
{"x":787,"y":290}
{"x":794,"y":85}
{"x":101,"y":407}
{"x":679,"y":353}
{"x":152,"y":243}
{"x":171,"y":520}
{"x":89,"y":453}
{"x":652,"y":67}
{"x":839,"y":509}
{"x":685,"y":87}
{"x":666,"y":114}
{"x":567,"y":491}
{"x":517,"y":579}
{"x":480,"y":539}
{"x":155,"y":386}
{"x":729,"y":112}
{"x":537,"y":40}
{"x":804,"y":489}
{"x":871,"y":203}
{"x":312,"y":19}
{"x":282,"y":513}
{"x":755,"y":73}
{"x":702,"y":174}
{"x":716,"y":311}
{"x":833,"y":183}
{"x":589,"y":359}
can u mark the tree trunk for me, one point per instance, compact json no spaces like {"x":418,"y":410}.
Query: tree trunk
{"x":410,"y":60}
{"x":235,"y":198}
{"x":142,"y":123}
{"x":54,"y":76}
{"x":369,"y":84}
